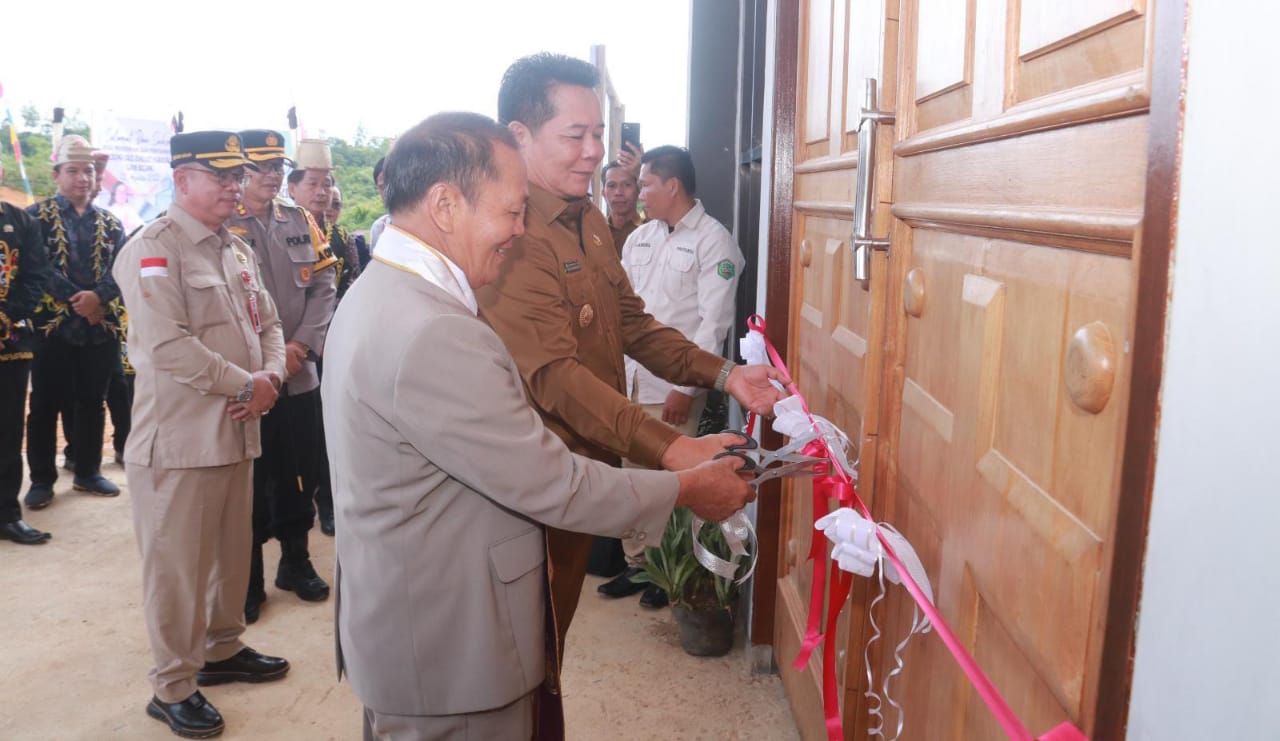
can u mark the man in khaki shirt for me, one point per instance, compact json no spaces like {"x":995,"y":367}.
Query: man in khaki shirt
{"x":205,"y":340}
{"x":566,"y":311}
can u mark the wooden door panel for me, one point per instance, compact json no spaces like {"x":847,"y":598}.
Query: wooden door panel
{"x":1049,"y":23}
{"x":1008,"y":382}
{"x":1068,"y":45}
{"x":815,"y":73}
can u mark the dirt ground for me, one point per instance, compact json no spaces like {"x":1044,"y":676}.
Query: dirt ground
{"x":74,"y":657}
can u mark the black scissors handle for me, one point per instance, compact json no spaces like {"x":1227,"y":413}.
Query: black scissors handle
{"x":748,"y":463}
{"x":739,"y":451}
{"x":748,"y":442}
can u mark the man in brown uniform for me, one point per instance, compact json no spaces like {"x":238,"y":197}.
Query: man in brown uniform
{"x":621,"y":192}
{"x":205,"y":340}
{"x":566,"y":311}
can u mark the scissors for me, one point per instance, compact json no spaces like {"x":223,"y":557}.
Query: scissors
{"x":773,"y":464}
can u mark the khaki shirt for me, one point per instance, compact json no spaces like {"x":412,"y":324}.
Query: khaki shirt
{"x":193,"y":342}
{"x":285,"y":243}
{"x":565,"y":309}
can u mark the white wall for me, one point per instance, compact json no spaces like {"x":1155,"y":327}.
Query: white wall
{"x":1208,"y":657}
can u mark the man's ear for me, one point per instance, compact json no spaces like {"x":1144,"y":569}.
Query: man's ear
{"x":444,"y":204}
{"x":521,"y":132}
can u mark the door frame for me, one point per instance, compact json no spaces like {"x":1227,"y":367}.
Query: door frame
{"x":1154,"y":255}
{"x":1137,"y":472}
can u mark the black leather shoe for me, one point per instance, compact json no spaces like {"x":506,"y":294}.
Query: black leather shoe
{"x":326,"y":523}
{"x":95,"y":484}
{"x":194,"y":717}
{"x":654,"y":598}
{"x":38,"y":496}
{"x":20,"y":532}
{"x":246,"y":666}
{"x":621,"y":585}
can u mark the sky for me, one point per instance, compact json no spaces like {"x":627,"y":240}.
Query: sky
{"x":382,"y":65}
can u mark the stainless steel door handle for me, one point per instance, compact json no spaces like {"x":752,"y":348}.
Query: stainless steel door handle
{"x":864,"y":196}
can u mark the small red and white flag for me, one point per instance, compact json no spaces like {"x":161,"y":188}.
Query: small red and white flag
{"x":155,"y":267}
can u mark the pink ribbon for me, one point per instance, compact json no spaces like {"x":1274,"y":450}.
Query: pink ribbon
{"x":839,"y":485}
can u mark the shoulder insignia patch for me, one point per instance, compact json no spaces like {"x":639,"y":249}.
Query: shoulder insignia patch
{"x":725,"y":269}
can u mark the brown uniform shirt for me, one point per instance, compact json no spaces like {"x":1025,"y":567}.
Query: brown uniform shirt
{"x":566,"y":311}
{"x":620,"y":233}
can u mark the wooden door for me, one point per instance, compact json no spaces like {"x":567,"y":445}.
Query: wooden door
{"x":836,"y":325}
{"x":985,"y":371}
{"x":1018,"y":192}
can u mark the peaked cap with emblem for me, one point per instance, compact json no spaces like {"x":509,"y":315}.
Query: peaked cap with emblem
{"x":264,"y":145}
{"x":216,"y":150}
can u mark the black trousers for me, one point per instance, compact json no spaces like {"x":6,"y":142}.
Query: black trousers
{"x":285,"y":477}
{"x":13,"y":402}
{"x":79,"y":374}
{"x":119,"y":406}
{"x":324,"y":492}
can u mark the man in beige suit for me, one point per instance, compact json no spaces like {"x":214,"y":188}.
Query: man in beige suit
{"x":443,"y":474}
{"x":205,"y":340}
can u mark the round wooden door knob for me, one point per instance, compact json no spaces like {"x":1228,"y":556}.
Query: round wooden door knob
{"x":806,"y":253}
{"x":1091,"y":367}
{"x":913,"y":293}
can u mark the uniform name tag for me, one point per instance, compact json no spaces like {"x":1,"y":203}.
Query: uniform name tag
{"x":302,"y":239}
{"x":572,"y":266}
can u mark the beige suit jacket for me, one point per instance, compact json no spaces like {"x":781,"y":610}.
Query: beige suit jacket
{"x":194,"y":342}
{"x":442,"y":474}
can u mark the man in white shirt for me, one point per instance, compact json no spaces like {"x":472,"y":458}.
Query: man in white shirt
{"x":685,"y":265}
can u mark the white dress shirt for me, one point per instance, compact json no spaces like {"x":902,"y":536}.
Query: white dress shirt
{"x":688,"y":278}
{"x":376,"y":230}
{"x":402,"y":250}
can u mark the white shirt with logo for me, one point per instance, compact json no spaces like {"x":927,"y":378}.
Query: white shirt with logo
{"x":688,"y":278}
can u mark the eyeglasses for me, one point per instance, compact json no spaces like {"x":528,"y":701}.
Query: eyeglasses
{"x":272,"y":168}
{"x":225,"y":178}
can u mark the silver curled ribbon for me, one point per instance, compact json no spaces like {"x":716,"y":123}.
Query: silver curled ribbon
{"x":740,"y":535}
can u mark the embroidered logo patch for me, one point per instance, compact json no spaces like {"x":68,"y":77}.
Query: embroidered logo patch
{"x":572,"y":266}
{"x":725,"y":269}
{"x":305,"y":273}
{"x":154,"y":267}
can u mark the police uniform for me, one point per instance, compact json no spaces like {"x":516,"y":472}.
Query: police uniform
{"x":314,"y":154}
{"x":200,"y":324}
{"x":298,"y":272}
{"x":24,"y":270}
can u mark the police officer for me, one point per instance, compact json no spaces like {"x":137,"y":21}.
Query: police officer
{"x":24,"y":270}
{"x":298,"y":273}
{"x":205,"y":340}
{"x":311,"y":186}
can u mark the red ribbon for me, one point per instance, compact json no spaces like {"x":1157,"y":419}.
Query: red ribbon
{"x":838,"y":485}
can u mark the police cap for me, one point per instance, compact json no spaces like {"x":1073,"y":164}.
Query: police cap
{"x":264,"y":145}
{"x":216,"y":150}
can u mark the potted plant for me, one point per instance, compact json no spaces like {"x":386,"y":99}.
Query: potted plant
{"x":702,"y":602}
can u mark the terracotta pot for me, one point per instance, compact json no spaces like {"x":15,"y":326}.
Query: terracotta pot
{"x":704,"y":632}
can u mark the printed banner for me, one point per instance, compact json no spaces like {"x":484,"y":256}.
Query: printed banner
{"x":138,"y":184}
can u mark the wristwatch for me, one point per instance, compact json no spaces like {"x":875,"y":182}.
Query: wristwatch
{"x":723,"y":376}
{"x":246,"y":393}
